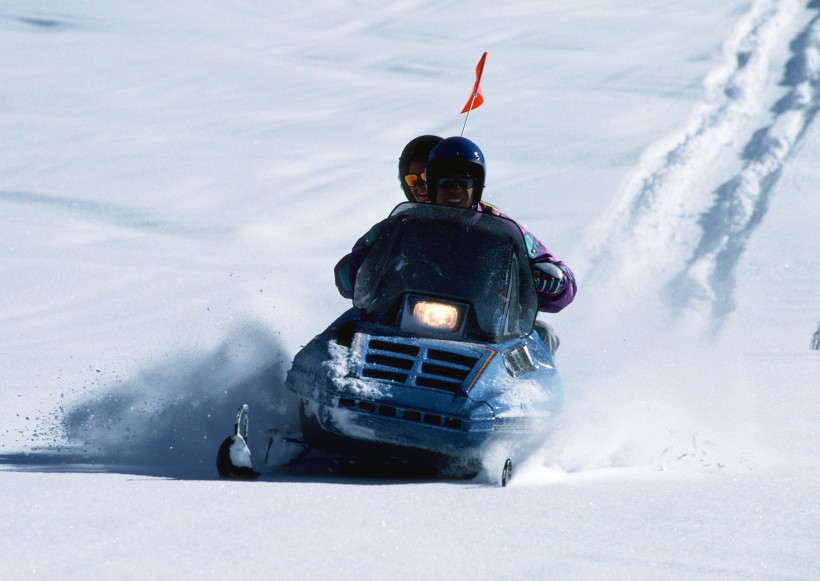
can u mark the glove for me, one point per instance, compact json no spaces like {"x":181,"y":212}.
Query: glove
{"x":549,"y":279}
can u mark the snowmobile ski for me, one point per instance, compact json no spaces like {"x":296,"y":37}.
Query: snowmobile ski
{"x":233,"y":460}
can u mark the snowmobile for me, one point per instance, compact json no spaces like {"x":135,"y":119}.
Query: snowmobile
{"x":437,"y":365}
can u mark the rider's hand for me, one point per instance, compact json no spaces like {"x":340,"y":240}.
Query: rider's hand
{"x":548,"y":278}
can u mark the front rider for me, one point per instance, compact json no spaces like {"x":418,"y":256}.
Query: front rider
{"x":456,"y":174}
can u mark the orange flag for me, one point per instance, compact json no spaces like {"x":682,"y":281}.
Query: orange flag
{"x":476,"y":96}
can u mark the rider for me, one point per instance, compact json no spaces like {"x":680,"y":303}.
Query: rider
{"x":411,"y":167}
{"x":455,"y":177}
{"x":412,"y":162}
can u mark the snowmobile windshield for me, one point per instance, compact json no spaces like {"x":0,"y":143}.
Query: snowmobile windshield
{"x":473,"y":260}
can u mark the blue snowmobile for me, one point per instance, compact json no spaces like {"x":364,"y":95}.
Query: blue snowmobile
{"x":437,"y":365}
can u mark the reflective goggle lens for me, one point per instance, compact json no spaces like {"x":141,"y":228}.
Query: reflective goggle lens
{"x":463,"y":183}
{"x":411,"y":178}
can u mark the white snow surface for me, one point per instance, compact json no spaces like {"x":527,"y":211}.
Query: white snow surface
{"x":177,"y":180}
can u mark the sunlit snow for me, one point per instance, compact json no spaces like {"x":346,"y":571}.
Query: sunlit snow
{"x":177,"y":181}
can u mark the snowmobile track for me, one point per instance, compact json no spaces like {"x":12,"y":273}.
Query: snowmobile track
{"x":687,"y":234}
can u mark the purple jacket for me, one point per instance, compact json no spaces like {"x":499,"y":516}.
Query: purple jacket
{"x":348,"y":266}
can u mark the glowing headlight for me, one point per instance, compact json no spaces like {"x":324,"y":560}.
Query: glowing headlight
{"x":429,"y":316}
{"x":436,"y":315}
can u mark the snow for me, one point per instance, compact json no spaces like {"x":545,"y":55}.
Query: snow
{"x":177,"y":181}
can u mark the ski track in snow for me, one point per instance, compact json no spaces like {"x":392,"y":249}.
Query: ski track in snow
{"x":673,"y":230}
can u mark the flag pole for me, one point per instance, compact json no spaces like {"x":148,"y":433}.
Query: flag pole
{"x":468,"y":116}
{"x":476,"y":92}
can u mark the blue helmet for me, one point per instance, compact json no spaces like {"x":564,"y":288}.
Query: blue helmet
{"x":456,"y":154}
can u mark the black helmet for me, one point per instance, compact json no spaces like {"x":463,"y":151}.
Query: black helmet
{"x":418,"y":148}
{"x":456,"y":154}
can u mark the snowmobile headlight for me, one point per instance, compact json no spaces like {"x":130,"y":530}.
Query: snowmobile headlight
{"x":436,"y":315}
{"x":428,"y":315}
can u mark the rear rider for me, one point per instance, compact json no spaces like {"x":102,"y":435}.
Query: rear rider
{"x":412,"y":162}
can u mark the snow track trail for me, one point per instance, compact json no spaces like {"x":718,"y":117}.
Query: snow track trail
{"x":684,"y":216}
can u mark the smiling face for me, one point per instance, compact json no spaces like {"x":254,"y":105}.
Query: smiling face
{"x":455,"y":190}
{"x":419,"y":189}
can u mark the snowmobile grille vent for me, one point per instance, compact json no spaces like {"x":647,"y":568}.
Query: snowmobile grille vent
{"x":413,"y":365}
{"x":403,"y":348}
{"x":445,"y":370}
{"x":389,"y":361}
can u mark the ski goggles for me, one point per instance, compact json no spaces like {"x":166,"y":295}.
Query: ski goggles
{"x":463,"y":183}
{"x":411,"y":178}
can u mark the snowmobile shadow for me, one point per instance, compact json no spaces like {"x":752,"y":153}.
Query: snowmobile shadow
{"x":169,"y":420}
{"x":314,"y":465}
{"x":344,"y":473}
